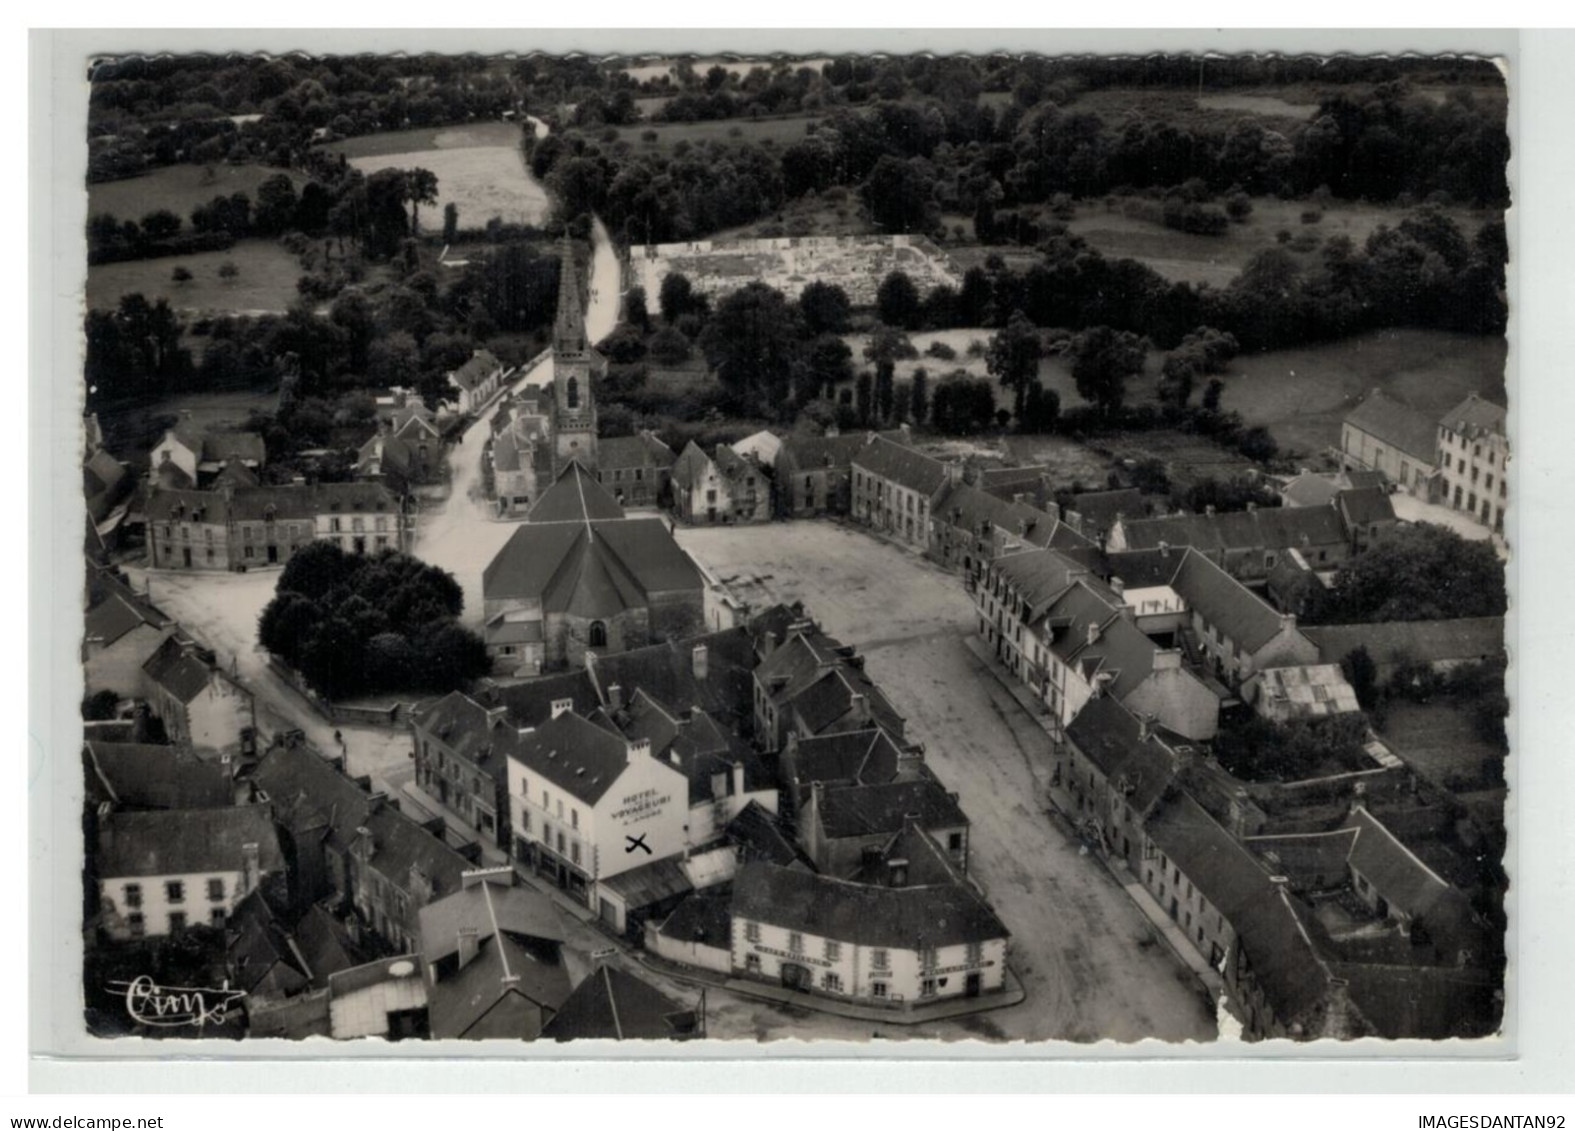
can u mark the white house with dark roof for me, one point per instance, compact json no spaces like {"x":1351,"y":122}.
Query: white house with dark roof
{"x":477,"y":380}
{"x":198,"y":456}
{"x":201,"y":707}
{"x":586,"y":804}
{"x":161,"y":871}
{"x":924,"y":935}
{"x":722,"y":488}
{"x":1473,"y":460}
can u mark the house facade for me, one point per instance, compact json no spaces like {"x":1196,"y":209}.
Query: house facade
{"x":896,"y":947}
{"x":249,"y":527}
{"x":475,"y":382}
{"x":201,"y":707}
{"x":586,"y":804}
{"x":162,"y":871}
{"x":636,"y":470}
{"x":895,"y":489}
{"x":1473,"y":461}
{"x":457,"y":763}
{"x":721,"y":489}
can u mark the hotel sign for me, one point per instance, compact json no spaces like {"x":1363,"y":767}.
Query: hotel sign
{"x":641,"y":806}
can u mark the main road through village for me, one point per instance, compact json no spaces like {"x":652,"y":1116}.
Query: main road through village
{"x":1092,"y":966}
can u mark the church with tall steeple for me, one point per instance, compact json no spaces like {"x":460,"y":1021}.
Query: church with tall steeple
{"x":577,"y":367}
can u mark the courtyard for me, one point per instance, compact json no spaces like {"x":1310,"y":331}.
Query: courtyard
{"x":1091,"y":964}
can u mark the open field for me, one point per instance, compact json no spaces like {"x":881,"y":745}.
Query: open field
{"x":837,"y":212}
{"x":1265,"y":105}
{"x":180,"y":188}
{"x":783,"y":131}
{"x":479,"y":169}
{"x":1217,"y":260}
{"x":1303,"y":394}
{"x":655,"y":69}
{"x":1437,"y":738}
{"x":1083,"y":951}
{"x":265,"y":285}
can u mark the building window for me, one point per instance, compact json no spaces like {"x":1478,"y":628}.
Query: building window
{"x":927,"y":958}
{"x":975,"y":954}
{"x":833,"y":950}
{"x":752,"y":963}
{"x":795,"y":942}
{"x":598,"y":637}
{"x":752,"y":931}
{"x":136,"y":924}
{"x":927,"y":987}
{"x":175,"y":892}
{"x":560,"y":842}
{"x":878,"y":989}
{"x":574,"y":818}
{"x":215,"y":889}
{"x":524,"y":820}
{"x":833,"y":982}
{"x":574,"y":853}
{"x":133,"y":895}
{"x":333,"y":526}
{"x":177,"y":921}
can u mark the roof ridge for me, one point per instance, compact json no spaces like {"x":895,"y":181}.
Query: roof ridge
{"x":1398,"y":843}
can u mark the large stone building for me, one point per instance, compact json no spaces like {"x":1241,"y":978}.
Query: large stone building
{"x":244,"y":527}
{"x":579,"y":576}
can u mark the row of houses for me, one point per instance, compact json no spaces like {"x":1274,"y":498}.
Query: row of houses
{"x":1318,"y":928}
{"x":681,"y":789}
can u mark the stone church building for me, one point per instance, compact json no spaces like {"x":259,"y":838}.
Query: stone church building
{"x":579,"y":576}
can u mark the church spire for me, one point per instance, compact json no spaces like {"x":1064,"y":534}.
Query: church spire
{"x":568,"y":332}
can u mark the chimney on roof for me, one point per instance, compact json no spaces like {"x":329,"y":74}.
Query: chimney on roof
{"x":615,"y":697}
{"x":1167,"y":659}
{"x":1017,"y":496}
{"x":1287,"y":622}
{"x":1164,"y":549}
{"x":700,"y":661}
{"x":559,"y":706}
{"x":251,"y":868}
{"x":861,"y":707}
{"x":1118,"y":587}
{"x":1209,"y":510}
{"x":1145,"y":723}
{"x":719,"y":785}
{"x":1093,"y":632}
{"x":640,"y":748}
{"x":738,"y":779}
{"x":469,"y":947}
{"x":897,"y":872}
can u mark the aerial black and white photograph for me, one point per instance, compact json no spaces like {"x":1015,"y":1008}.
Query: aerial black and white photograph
{"x":756,"y":547}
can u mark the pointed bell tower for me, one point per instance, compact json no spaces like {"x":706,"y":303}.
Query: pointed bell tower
{"x":574,"y":401}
